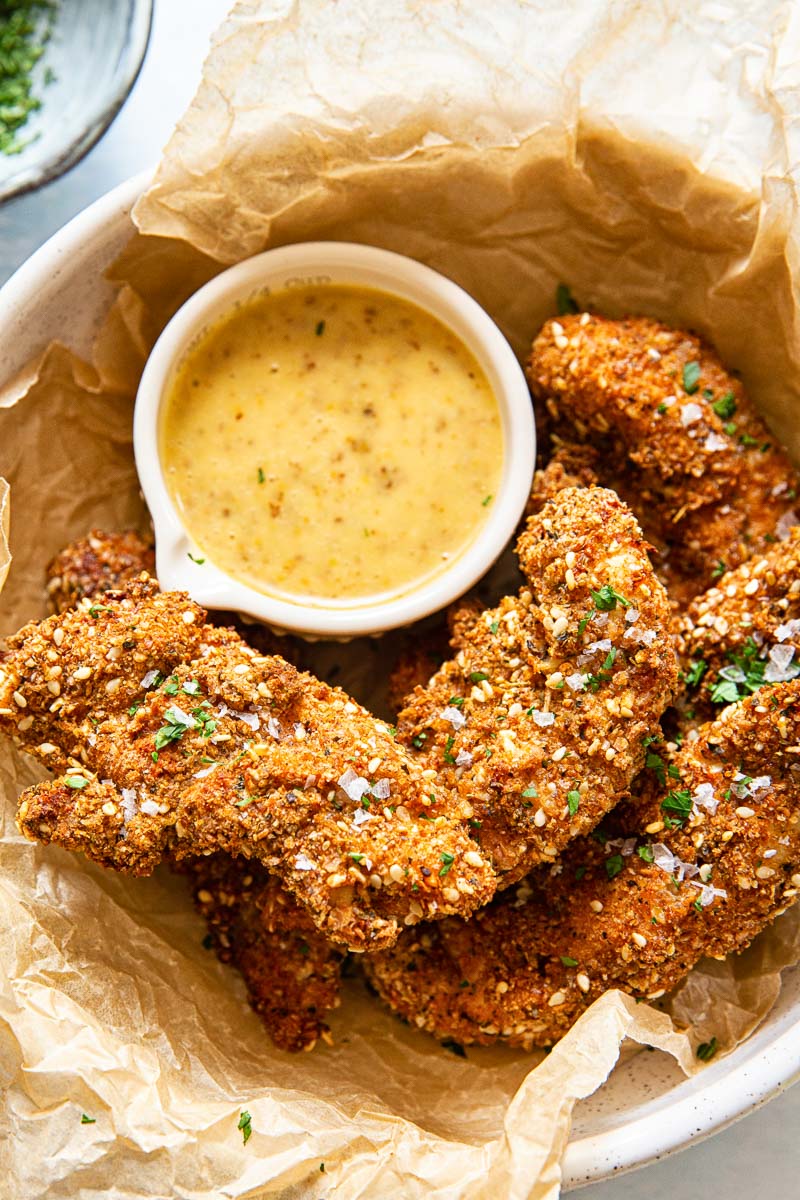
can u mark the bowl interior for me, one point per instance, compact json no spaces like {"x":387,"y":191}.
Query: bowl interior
{"x":647,"y":1108}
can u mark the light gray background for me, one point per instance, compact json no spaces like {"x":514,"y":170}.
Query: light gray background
{"x":759,"y":1156}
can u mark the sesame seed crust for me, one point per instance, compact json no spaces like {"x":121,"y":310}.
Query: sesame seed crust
{"x":554,"y":696}
{"x":699,"y":467}
{"x":275,"y":796}
{"x":606,"y":919}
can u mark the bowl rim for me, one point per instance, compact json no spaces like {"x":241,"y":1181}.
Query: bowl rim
{"x":322,"y":263}
{"x":100,"y":116}
{"x":755,"y":1072}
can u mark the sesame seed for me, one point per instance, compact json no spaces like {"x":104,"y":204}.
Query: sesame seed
{"x":241,"y":669}
{"x":373,"y":765}
{"x":744,"y":811}
{"x":560,"y":627}
{"x":569,"y":558}
{"x":501,"y":987}
{"x":751,"y":588}
{"x":540,"y":818}
{"x":473,"y":859}
{"x":58,"y":635}
{"x":639,"y":940}
{"x":19,"y":700}
{"x":24,"y":724}
{"x":556,"y":1000}
{"x":47,"y":748}
{"x":765,"y":872}
{"x":375,"y":881}
{"x":82,"y":673}
{"x":110,"y":808}
{"x":336,"y":880}
{"x":188,"y":617}
{"x":569,"y":576}
{"x":654,"y":827}
{"x":54,"y":687}
{"x":595,"y":906}
{"x":350,"y":707}
{"x":204,"y":896}
{"x":795,"y":881}
{"x":396,"y":873}
{"x":656,"y":995}
{"x":451,"y":895}
{"x":727,"y":835}
{"x":559,"y":753}
{"x":113,"y":685}
{"x":583,"y":981}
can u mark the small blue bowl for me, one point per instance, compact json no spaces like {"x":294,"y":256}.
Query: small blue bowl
{"x":92,"y":58}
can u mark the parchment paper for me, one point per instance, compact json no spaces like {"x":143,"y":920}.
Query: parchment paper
{"x":642,"y":156}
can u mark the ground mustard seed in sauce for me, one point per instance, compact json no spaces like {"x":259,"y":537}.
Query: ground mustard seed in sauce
{"x":331,"y":442}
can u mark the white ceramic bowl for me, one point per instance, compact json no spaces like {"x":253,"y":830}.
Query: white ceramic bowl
{"x":647,"y":1109}
{"x":321,"y":263}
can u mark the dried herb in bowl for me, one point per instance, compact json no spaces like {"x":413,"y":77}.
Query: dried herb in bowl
{"x":25,"y":28}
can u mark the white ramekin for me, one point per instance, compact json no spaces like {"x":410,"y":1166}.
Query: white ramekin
{"x":317,"y":263}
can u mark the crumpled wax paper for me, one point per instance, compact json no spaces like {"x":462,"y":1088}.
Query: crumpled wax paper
{"x":641,"y":154}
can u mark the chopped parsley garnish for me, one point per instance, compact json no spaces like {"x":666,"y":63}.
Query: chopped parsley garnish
{"x":356,"y":857}
{"x":725,"y":407}
{"x":418,"y":742}
{"x":580,"y":872}
{"x":730,"y":428}
{"x":565,"y":302}
{"x":98,"y":608}
{"x":478,"y":676}
{"x":134,"y":708}
{"x":531,"y":791}
{"x":691,"y":377}
{"x":696,"y":671}
{"x":206,"y":723}
{"x":191,"y":687}
{"x":448,"y":747}
{"x":568,"y":962}
{"x":706,"y":1050}
{"x":645,"y":853}
{"x":493,"y":628}
{"x":573,"y":802}
{"x":719,"y":569}
{"x":662,"y":408}
{"x":613,"y":865}
{"x":199,"y":561}
{"x":320,"y":329}
{"x":606,"y":598}
{"x":747,"y":440}
{"x":88,"y":1120}
{"x":171,"y":686}
{"x":741,"y":678}
{"x":447,"y":862}
{"x":261,"y":476}
{"x":593,"y":682}
{"x":455,"y":701}
{"x":76,"y":781}
{"x":678,"y":802}
{"x":245,"y":1126}
{"x":487,"y":500}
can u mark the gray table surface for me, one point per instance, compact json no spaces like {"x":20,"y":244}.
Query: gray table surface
{"x":759,"y":1156}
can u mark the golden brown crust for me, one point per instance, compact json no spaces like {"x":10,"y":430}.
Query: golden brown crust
{"x":293,"y":975}
{"x":101,"y":562}
{"x":526,"y":967}
{"x":261,"y":761}
{"x":553,"y":691}
{"x":707,"y":487}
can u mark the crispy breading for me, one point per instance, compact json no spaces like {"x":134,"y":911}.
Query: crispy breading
{"x":635,"y":913}
{"x":293,"y":975}
{"x":267,"y":762}
{"x":98,"y":563}
{"x":676,"y":430}
{"x":422,"y":655}
{"x":554,"y":691}
{"x":744,"y":630}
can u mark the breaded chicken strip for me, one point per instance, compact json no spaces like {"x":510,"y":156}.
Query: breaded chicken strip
{"x":539,"y":721}
{"x":291,"y":972}
{"x":422,"y":655}
{"x":674,"y":432}
{"x":101,"y":562}
{"x":176,"y":737}
{"x":745,"y":630}
{"x":699,"y":871}
{"x":293,"y":975}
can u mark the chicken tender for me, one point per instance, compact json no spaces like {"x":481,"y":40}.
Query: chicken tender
{"x":174,"y":736}
{"x":678,"y":434}
{"x":98,"y":563}
{"x":698,"y":870}
{"x":540,"y":719}
{"x":745,"y":630}
{"x":293,"y":975}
